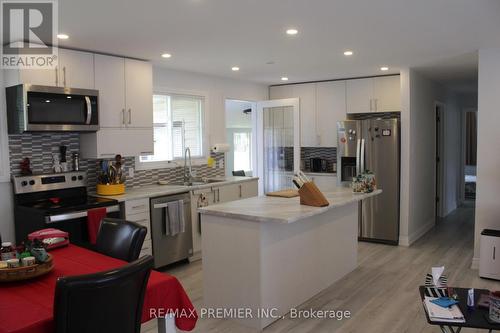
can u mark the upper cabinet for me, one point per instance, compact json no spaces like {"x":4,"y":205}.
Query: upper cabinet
{"x":306,"y":93}
{"x":110,"y":81}
{"x":330,"y":108}
{"x":321,"y":106}
{"x":139,"y":93}
{"x":75,"y":69}
{"x":125,"y":92}
{"x":377,"y":94}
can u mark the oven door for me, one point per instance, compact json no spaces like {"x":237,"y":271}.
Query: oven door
{"x":75,"y":223}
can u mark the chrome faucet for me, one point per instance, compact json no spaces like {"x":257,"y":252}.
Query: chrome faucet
{"x":188,"y":170}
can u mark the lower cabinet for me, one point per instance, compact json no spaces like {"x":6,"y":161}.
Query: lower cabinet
{"x":138,"y":211}
{"x":212,"y":196}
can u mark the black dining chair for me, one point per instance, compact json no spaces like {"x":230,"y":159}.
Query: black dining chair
{"x":104,"y":302}
{"x":240,"y":173}
{"x":120,"y":239}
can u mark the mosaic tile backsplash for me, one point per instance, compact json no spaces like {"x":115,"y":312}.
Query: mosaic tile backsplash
{"x":39,"y":147}
{"x":327,"y":153}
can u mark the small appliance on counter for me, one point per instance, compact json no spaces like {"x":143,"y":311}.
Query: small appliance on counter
{"x":57,"y":201}
{"x":111,"y":180}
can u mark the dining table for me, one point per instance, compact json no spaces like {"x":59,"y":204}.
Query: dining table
{"x":27,"y":306}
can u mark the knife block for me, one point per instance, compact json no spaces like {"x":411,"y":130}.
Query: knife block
{"x":310,"y":195}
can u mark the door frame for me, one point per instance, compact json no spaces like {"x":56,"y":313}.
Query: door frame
{"x":461,"y":183}
{"x":441,"y":167}
{"x":258,"y":139}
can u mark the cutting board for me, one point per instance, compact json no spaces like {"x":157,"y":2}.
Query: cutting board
{"x":284,"y":194}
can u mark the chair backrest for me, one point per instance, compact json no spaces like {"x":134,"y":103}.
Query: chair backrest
{"x":120,"y":239}
{"x":240,"y":173}
{"x":103,"y":302}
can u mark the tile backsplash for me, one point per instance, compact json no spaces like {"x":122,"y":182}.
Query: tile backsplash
{"x":327,"y":153}
{"x":39,"y":147}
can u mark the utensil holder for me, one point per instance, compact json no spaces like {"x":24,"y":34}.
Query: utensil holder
{"x":110,"y":189}
{"x":310,"y":195}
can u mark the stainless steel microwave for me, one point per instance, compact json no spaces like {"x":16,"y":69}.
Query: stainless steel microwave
{"x":33,"y":108}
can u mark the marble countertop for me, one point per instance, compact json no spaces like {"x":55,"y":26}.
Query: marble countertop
{"x":282,"y":210}
{"x":151,"y":191}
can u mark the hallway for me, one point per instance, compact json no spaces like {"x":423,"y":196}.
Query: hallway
{"x":382,"y":293}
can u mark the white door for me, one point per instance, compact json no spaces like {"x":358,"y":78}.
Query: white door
{"x":277,"y":156}
{"x":76,"y":69}
{"x":110,"y":81}
{"x":139,"y":93}
{"x":359,"y":95}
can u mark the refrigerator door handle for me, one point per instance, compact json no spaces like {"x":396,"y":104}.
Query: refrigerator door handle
{"x":358,"y":161}
{"x":362,"y":156}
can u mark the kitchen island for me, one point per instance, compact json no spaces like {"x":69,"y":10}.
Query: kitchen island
{"x":264,"y":256}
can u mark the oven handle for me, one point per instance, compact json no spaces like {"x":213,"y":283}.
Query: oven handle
{"x":89,"y":110}
{"x":76,"y":215}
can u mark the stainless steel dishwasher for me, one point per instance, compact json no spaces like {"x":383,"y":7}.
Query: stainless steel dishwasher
{"x":172,"y":239}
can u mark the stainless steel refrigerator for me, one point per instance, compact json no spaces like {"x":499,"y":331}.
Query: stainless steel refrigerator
{"x":374,"y":145}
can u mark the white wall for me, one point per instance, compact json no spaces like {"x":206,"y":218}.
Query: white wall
{"x":417,"y":154}
{"x":218,"y":90}
{"x":488,"y":156}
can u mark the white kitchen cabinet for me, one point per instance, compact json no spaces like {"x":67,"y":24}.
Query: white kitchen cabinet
{"x":212,"y":196}
{"x":387,"y":93}
{"x":108,"y":142}
{"x":138,"y":211}
{"x":359,"y":95}
{"x":139,"y":93}
{"x":306,"y":92}
{"x":75,"y":69}
{"x":377,"y":94}
{"x":330,"y":108}
{"x":110,"y":81}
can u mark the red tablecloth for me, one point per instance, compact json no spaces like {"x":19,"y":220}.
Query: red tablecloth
{"x":26,"y":307}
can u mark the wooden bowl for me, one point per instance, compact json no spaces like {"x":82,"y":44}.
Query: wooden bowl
{"x":26,"y":272}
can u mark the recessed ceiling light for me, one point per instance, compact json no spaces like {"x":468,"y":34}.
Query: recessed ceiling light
{"x":166,"y":55}
{"x":62,"y":36}
{"x":284,"y":78}
{"x":235,"y":68}
{"x":47,"y":101}
{"x":384,"y":68}
{"x":348,"y":53}
{"x":292,"y":31}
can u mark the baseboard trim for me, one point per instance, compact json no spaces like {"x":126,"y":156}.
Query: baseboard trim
{"x":475,"y":263}
{"x":410,"y":239}
{"x":195,"y":257}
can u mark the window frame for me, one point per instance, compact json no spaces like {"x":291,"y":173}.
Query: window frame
{"x":176,"y":162}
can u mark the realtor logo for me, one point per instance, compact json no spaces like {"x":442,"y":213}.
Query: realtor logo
{"x":29,"y":30}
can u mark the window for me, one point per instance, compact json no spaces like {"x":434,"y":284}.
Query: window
{"x":242,"y":142}
{"x":178,"y":124}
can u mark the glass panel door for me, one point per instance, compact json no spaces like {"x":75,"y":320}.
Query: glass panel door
{"x":278,"y":144}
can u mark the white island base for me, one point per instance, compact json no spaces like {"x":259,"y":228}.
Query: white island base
{"x":253,"y":265}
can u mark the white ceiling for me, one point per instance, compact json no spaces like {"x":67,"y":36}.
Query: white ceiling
{"x":210,"y":36}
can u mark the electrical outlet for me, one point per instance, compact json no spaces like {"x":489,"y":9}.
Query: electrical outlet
{"x":221,"y":164}
{"x":131,"y":172}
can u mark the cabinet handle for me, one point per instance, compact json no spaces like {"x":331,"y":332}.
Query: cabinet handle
{"x":215,"y":198}
{"x":494,"y":252}
{"x":240,"y":192}
{"x":103,"y":155}
{"x":218,"y":195}
{"x":64,"y":76}
{"x":123,"y":116}
{"x":376,"y":104}
{"x":371,"y":104}
{"x":129,"y":116}
{"x":57,"y":76}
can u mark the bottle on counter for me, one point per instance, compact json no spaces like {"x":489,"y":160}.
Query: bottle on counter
{"x":7,"y":251}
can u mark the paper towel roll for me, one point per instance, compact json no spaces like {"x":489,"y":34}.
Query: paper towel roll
{"x":221,"y":148}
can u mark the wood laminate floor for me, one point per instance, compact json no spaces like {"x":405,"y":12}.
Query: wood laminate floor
{"x":382,"y":293}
